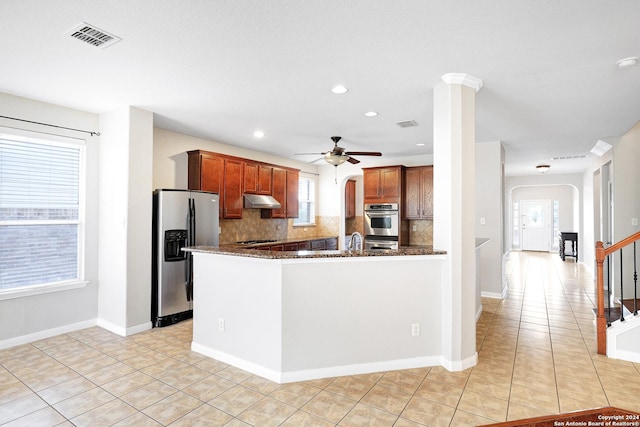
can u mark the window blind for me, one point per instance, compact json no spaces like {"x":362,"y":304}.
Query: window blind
{"x":39,"y":212}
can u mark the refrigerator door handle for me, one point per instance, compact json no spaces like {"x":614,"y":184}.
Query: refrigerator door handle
{"x":190,"y":242}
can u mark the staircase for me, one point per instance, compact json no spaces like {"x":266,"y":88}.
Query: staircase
{"x":617,"y":320}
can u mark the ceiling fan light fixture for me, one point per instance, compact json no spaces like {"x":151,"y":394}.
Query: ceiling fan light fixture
{"x":339,"y":89}
{"x":543,"y":168}
{"x":335,"y":160}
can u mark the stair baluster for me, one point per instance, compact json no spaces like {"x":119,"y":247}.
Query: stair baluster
{"x":635,"y":282}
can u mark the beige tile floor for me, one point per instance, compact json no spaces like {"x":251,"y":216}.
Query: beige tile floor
{"x":536,"y":357}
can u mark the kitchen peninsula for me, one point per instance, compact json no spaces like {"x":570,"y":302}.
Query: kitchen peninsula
{"x":292,"y":316}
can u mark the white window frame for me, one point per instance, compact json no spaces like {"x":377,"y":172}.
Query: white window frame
{"x":79,"y":281}
{"x":314,"y":179}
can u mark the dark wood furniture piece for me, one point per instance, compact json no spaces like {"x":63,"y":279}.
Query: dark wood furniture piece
{"x":568,"y":237}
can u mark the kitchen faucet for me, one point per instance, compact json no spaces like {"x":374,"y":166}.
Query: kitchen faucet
{"x":352,"y":245}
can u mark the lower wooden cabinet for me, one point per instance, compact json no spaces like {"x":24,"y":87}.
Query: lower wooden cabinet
{"x":330,"y":243}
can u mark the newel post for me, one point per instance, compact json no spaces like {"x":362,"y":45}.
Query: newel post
{"x":601,"y":321}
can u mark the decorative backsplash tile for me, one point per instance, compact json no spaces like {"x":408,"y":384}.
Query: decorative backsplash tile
{"x":252,"y":226}
{"x":423,"y":234}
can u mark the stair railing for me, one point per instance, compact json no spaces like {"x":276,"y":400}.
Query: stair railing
{"x":603,"y":318}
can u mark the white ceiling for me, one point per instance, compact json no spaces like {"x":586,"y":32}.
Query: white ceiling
{"x":220,"y":69}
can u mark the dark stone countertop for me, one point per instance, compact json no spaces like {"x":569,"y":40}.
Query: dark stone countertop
{"x":235,"y":250}
{"x":275,"y":242}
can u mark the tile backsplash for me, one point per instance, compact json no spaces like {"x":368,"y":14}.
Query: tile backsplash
{"x":423,"y":235}
{"x":252,"y":226}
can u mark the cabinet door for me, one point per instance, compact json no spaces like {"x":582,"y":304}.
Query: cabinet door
{"x":413,"y":193}
{"x":350,"y":199}
{"x":264,"y":179}
{"x":279,"y":192}
{"x":291,"y":247}
{"x":233,"y":188}
{"x":371,"y":182}
{"x":390,"y":182}
{"x":292,"y":194}
{"x":427,"y":192}
{"x":250,"y":177}
{"x":211,"y":174}
{"x":331,"y":244}
{"x":318,"y":245}
{"x":304,"y":246}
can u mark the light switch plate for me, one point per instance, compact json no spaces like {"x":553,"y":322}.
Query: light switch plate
{"x":634,"y":222}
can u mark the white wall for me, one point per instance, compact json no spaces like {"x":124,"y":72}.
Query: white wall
{"x":554,"y":187}
{"x":489,"y":206}
{"x":28,"y":318}
{"x":170,"y":165}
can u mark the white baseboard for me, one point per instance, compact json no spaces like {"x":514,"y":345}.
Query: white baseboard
{"x":459,"y":365}
{"x":312,"y":374}
{"x":478,"y":313}
{"x":48,"y":333}
{"x":124,"y":332}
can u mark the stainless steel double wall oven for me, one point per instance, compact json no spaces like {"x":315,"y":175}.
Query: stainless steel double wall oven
{"x":381,"y":226}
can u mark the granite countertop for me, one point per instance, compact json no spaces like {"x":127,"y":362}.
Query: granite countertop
{"x":235,"y":250}
{"x":276,"y":242}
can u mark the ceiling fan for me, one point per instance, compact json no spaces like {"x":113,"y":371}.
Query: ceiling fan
{"x":338,"y":156}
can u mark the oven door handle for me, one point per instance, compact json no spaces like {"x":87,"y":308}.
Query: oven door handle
{"x":378,"y":214}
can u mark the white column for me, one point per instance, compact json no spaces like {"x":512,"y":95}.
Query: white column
{"x":454,"y":213}
{"x":125,"y":188}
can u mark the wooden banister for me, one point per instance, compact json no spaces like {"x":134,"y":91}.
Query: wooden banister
{"x":601,"y":254}
{"x":601,"y":321}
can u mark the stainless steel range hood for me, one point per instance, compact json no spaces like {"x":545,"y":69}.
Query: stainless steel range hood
{"x":259,"y":201}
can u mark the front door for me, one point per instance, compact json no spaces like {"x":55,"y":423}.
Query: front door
{"x":536,"y":225}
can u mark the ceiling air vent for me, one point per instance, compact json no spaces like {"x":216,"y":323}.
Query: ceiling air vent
{"x":407,"y":124}
{"x":92,"y":35}
{"x":579,"y":156}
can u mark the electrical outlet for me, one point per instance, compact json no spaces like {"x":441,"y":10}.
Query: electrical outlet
{"x":483,"y":221}
{"x":415,"y":228}
{"x":221,"y":324}
{"x":415,"y":329}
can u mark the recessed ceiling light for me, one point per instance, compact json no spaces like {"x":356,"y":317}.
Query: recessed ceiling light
{"x":370,"y":114}
{"x":258,"y":134}
{"x":339,"y":89}
{"x":627,"y":62}
{"x":420,"y":144}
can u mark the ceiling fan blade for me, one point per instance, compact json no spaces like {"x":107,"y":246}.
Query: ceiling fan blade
{"x":353,"y":161}
{"x":317,"y":160}
{"x":363,"y":153}
{"x":308,"y":154}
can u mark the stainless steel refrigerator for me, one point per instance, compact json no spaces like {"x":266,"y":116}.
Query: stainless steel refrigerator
{"x":180,"y":218}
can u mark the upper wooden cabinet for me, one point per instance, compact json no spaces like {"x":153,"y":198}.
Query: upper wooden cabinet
{"x":257,"y":178}
{"x":206,"y":173}
{"x":292,"y":193}
{"x":231,"y":177}
{"x":233,"y":189}
{"x":285,"y":191}
{"x":279,"y":192}
{"x":350,"y":199}
{"x":383,"y":185}
{"x":418,"y":199}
